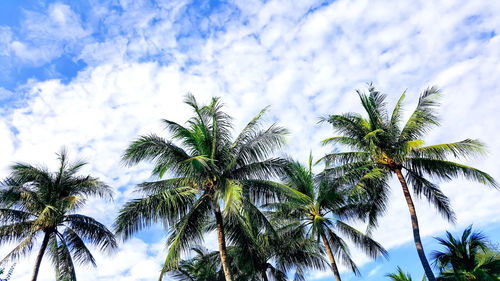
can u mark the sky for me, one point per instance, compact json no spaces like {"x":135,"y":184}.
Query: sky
{"x":93,"y":75}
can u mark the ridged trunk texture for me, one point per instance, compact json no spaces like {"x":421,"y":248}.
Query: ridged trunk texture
{"x":416,"y":229}
{"x":222,"y":242}
{"x":332,"y":259}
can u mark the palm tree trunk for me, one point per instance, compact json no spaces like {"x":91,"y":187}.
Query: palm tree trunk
{"x":264,"y":275}
{"x":45,"y":242}
{"x":416,"y":229}
{"x":332,"y":259}
{"x":222,"y":241}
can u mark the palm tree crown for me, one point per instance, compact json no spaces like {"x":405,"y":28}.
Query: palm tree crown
{"x":34,"y":201}
{"x":466,"y":258}
{"x":208,"y":167}
{"x":381,"y":146}
{"x":322,"y":214}
{"x":401,"y":276}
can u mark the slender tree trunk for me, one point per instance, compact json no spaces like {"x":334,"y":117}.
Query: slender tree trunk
{"x":416,"y":229}
{"x":332,"y":259}
{"x":264,"y":275}
{"x":222,"y":241}
{"x":45,"y":242}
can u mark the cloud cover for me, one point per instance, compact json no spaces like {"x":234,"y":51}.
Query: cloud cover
{"x":303,"y":58}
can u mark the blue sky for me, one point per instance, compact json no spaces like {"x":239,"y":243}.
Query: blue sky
{"x":92,"y":75}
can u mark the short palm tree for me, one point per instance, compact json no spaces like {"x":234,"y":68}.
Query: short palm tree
{"x":208,"y":167}
{"x":322,"y":216}
{"x":204,"y":266}
{"x":466,"y":258}
{"x":35,"y":201}
{"x":258,"y":253}
{"x":381,"y":147}
{"x":401,"y":276}
{"x":264,"y":252}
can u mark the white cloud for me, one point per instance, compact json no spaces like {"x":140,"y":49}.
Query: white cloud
{"x":47,"y":35}
{"x":305,"y":64}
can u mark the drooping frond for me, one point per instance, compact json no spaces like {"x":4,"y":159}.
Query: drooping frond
{"x":169,"y":206}
{"x":361,"y":240}
{"x":154,"y":148}
{"x":80,"y":252}
{"x":22,"y":249}
{"x":432,"y":192}
{"x":341,"y":251}
{"x":467,"y":148}
{"x":92,"y":231}
{"x":62,"y":260}
{"x":13,"y":216}
{"x":186,"y":233}
{"x":447,"y":170}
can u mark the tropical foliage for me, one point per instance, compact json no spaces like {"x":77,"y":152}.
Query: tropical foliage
{"x":256,"y":254}
{"x":380,"y":146}
{"x":274,"y":218}
{"x":467,"y":258}
{"x":321,"y":216}
{"x":36,"y":202}
{"x":207,"y":168}
{"x":400,"y":275}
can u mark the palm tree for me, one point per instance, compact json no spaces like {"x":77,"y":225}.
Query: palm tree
{"x":466,"y":258}
{"x":258,"y":253}
{"x":381,"y":147}
{"x":264,"y":250}
{"x":401,"y":276}
{"x":35,"y":201}
{"x":204,"y":266}
{"x":208,"y":167}
{"x":322,"y":215}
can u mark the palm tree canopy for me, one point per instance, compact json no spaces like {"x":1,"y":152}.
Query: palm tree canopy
{"x":34,"y":200}
{"x":380,"y":143}
{"x":207,"y":167}
{"x":328,"y":204}
{"x":466,"y":257}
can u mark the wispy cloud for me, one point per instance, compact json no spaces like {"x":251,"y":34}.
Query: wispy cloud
{"x":304,"y":59}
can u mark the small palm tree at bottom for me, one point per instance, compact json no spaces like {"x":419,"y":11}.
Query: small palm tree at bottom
{"x":466,"y":258}
{"x":401,"y":276}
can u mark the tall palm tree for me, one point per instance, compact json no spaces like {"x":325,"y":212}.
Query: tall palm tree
{"x":466,"y":258}
{"x":208,"y":167}
{"x":382,"y":147}
{"x":35,"y":201}
{"x":322,"y":216}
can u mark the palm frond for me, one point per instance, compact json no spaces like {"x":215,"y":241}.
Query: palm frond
{"x":467,"y":148}
{"x":80,"y":252}
{"x":447,"y":170}
{"x":91,"y":230}
{"x":424,"y":117}
{"x":186,"y":233}
{"x":432,"y":192}
{"x":169,"y":205}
